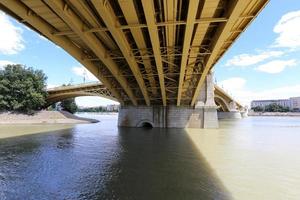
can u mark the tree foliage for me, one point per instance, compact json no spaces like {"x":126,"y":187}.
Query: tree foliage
{"x":258,"y":109}
{"x":96,"y":109}
{"x":69,"y":105}
{"x":22,"y":89}
{"x":271,"y":108}
{"x":276,"y":108}
{"x":93,"y":109}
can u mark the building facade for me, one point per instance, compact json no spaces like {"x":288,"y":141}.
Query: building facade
{"x":292,"y":103}
{"x":295,"y":103}
{"x":112,"y":108}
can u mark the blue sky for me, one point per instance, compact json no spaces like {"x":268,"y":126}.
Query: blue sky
{"x":263,"y":63}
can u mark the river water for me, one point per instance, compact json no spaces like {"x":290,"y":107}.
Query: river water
{"x":253,"y":158}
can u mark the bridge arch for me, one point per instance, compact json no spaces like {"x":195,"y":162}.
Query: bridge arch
{"x":63,"y":96}
{"x":224,"y":106}
{"x":145,"y":124}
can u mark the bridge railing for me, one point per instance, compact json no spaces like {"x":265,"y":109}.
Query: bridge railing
{"x":74,"y":86}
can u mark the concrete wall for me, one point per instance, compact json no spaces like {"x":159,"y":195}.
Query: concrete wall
{"x":230,"y":115}
{"x":159,"y":116}
{"x":203,"y":115}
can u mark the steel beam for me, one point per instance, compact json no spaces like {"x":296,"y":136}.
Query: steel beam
{"x":153,"y":32}
{"x":192,"y":11}
{"x":86,"y":12}
{"x":208,"y":11}
{"x":170,"y":11}
{"x":75,"y":23}
{"x":44,"y":28}
{"x":109,"y":18}
{"x":131,"y":26}
{"x":132,"y":18}
{"x":149,"y":56}
{"x":234,"y":11}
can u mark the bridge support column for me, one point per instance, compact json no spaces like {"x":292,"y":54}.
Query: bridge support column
{"x":233,"y":113}
{"x":230,"y":115}
{"x":210,"y":115}
{"x":203,"y":115}
{"x":160,"y":116}
{"x":244,"y":113}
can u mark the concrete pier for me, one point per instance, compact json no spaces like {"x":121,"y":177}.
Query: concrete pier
{"x":230,"y":115}
{"x":168,"y":117}
{"x":203,"y":115}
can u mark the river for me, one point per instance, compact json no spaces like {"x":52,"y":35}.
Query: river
{"x":253,"y":158}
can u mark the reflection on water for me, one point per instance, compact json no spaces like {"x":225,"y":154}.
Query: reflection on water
{"x":254,"y":158}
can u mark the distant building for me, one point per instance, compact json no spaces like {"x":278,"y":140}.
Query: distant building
{"x":112,"y":108}
{"x":264,"y":103}
{"x":292,"y":103}
{"x":295,"y":103}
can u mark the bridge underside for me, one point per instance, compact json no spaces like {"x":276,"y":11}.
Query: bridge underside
{"x":146,"y":52}
{"x":154,"y":53}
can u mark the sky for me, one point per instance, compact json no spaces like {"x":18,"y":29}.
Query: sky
{"x":264,"y":63}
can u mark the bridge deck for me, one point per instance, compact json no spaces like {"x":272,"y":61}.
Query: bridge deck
{"x":143,"y":51}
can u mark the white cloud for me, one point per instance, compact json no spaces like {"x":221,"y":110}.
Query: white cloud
{"x":81,"y":71}
{"x":234,"y":83}
{"x":11,"y":41}
{"x":51,"y":86}
{"x":251,"y":59}
{"x":93,"y":101}
{"x":3,"y":63}
{"x":276,"y":66}
{"x":288,"y":30}
{"x":245,"y":96}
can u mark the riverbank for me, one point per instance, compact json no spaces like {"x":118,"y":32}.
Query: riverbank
{"x":275,"y":114}
{"x":43,"y":117}
{"x":16,"y":130}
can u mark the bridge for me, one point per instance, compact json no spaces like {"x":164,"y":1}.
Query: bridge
{"x":227,"y":106}
{"x":154,"y":56}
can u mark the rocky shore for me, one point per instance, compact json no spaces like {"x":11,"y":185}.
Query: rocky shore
{"x":43,"y":117}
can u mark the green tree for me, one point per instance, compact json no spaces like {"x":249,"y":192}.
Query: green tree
{"x":258,"y":109}
{"x":22,"y":89}
{"x":93,"y":109}
{"x":276,"y":108}
{"x":69,"y":105}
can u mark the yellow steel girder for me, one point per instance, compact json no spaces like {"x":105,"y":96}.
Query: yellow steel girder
{"x":132,"y":18}
{"x":35,"y":21}
{"x":192,"y":11}
{"x":75,"y":24}
{"x":153,"y":32}
{"x":234,"y":12}
{"x":107,"y":14}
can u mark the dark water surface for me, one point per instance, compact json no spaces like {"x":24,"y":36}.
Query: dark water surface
{"x":101,"y":161}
